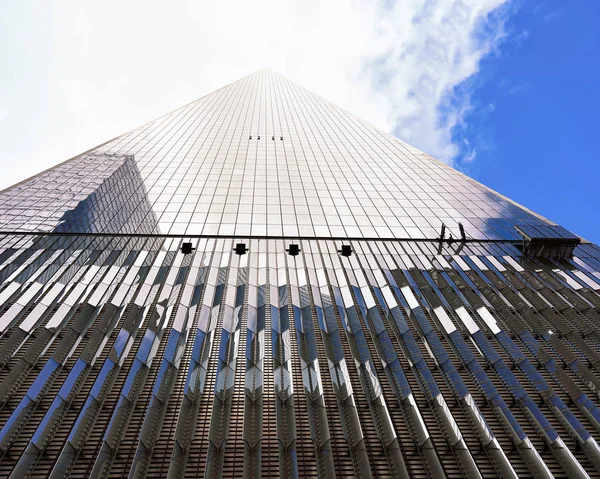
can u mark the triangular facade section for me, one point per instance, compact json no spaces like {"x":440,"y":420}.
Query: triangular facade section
{"x":260,"y":157}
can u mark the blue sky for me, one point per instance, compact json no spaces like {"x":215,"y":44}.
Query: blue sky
{"x":505,"y":90}
{"x":538,"y":139}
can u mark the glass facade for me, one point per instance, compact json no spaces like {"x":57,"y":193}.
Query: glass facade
{"x":346,"y":340}
{"x":260,"y":157}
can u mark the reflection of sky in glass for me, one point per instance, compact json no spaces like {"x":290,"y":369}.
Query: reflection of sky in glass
{"x":93,"y":193}
{"x":259,"y":157}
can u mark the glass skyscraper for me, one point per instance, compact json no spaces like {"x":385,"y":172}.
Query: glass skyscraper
{"x":260,"y":284}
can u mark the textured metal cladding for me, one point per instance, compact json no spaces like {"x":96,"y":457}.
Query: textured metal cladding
{"x":476,"y":363}
{"x":338,"y":369}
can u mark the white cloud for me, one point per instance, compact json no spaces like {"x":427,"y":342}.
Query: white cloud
{"x":76,"y":73}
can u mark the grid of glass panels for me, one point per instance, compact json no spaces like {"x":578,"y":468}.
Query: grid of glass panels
{"x":264,"y":157}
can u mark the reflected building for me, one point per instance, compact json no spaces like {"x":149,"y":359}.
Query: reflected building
{"x":260,"y":284}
